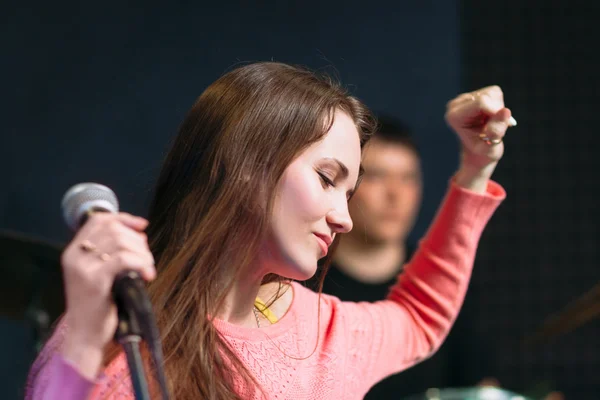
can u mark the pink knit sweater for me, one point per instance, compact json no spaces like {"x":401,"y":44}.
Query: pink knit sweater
{"x":357,"y":344}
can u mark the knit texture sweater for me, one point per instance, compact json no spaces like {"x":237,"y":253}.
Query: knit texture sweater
{"x":345,"y":350}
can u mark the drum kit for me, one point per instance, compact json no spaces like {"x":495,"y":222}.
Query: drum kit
{"x":478,"y":393}
{"x":31,"y":289}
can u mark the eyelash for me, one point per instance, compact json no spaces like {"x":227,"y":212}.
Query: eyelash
{"x":329,"y":183}
{"x":326,"y":180}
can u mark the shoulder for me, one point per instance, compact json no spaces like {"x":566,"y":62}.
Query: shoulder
{"x":303,"y":295}
{"x":320,"y":306}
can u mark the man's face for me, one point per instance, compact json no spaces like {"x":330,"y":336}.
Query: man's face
{"x":387,"y":202}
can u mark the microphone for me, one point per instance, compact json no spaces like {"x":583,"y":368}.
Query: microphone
{"x":136,"y":318}
{"x":85,"y":198}
{"x":78,"y":203}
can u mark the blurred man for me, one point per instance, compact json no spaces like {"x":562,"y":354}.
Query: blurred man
{"x":383,"y":210}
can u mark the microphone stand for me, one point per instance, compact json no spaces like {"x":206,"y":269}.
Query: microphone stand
{"x":129,"y":335}
{"x":137,"y":322}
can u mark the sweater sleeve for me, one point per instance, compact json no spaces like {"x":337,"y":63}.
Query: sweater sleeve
{"x":62,"y":382}
{"x":51,"y":377}
{"x":392,"y":335}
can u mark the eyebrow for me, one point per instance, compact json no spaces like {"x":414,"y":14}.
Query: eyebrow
{"x":342,"y":166}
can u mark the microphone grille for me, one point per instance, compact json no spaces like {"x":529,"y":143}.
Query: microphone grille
{"x":84,"y":197}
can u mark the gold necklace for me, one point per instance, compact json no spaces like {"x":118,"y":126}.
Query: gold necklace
{"x":256,"y":316}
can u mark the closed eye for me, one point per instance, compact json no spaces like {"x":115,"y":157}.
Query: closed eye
{"x":326,"y":181}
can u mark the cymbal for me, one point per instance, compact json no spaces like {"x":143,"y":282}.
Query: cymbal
{"x":580,"y":311}
{"x":31,"y":279}
{"x":470,"y":393}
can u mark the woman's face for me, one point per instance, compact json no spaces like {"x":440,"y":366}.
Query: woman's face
{"x":311,"y":204}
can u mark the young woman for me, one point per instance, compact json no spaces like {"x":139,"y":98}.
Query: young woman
{"x":252,"y":194}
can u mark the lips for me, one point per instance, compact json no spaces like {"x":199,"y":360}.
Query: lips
{"x":324,"y":242}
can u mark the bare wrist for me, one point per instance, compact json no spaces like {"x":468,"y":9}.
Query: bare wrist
{"x":473,"y":178}
{"x":85,"y":357}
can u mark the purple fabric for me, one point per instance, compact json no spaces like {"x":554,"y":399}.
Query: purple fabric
{"x":51,"y":377}
{"x":64,"y":382}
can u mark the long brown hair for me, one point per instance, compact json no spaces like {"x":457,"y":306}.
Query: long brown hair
{"x":212,"y":204}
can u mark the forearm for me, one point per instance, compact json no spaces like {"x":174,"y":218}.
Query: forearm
{"x":474,"y":176}
{"x":434,"y":282}
{"x":430,"y":291}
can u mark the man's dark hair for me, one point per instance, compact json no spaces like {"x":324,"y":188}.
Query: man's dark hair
{"x":394,"y":130}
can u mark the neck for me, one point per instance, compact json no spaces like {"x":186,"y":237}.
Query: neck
{"x":368,"y":261}
{"x":239,"y":302}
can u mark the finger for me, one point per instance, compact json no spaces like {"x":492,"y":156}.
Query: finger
{"x":106,"y":227}
{"x":493,"y":91}
{"x":105,"y":236}
{"x":132,"y":221}
{"x":472,"y":114}
{"x":105,"y":248}
{"x":496,"y":127}
{"x":96,"y":221}
{"x":143,"y":263}
{"x":118,"y":237}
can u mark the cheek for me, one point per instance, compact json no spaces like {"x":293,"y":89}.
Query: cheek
{"x":412,"y":195}
{"x":303,"y":197}
{"x":367,"y":197}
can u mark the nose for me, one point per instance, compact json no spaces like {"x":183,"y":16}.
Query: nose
{"x":339,"y":218}
{"x":394,"y":189}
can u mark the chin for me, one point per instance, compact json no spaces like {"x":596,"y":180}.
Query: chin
{"x":391,"y":235}
{"x":300,"y":270}
{"x":292,"y":262}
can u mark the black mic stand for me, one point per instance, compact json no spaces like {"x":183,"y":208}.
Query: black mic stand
{"x":129,"y":334}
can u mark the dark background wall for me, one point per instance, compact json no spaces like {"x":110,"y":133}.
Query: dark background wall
{"x":94,"y":93}
{"x":540,"y":251}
